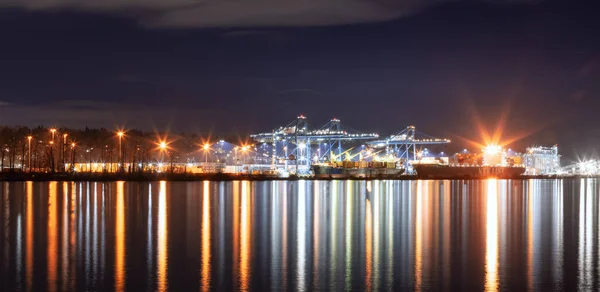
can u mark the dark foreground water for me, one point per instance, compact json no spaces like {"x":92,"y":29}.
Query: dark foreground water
{"x":353,"y":235}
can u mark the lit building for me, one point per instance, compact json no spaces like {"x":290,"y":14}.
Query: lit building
{"x":542,"y":160}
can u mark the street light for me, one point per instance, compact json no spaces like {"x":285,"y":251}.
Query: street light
{"x":206,"y":148}
{"x":120,"y":134}
{"x":63,"y":149}
{"x":29,"y":150}
{"x":73,"y":155}
{"x":53,"y":131}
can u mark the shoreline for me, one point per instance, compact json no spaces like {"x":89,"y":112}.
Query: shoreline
{"x":148,"y":177}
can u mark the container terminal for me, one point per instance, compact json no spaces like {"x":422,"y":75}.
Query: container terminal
{"x":330,"y":151}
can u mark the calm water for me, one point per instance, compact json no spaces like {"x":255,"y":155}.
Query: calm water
{"x":353,"y":235}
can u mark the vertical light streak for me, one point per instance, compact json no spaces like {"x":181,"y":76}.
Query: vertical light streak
{"x":348,"y":235}
{"x":589,"y":216}
{"x":6,"y":224}
{"x":419,"y":236}
{"x":205,"y":285}
{"x":88,"y":235}
{"x":162,"y":233}
{"x":376,"y":237}
{"x":447,"y":203}
{"x":276,"y":240}
{"x":301,"y":235}
{"x":65,"y":237}
{"x":390,"y":233}
{"x":236,"y":230}
{"x":284,"y":235}
{"x":530,"y":204}
{"x":149,"y":237}
{"x":245,"y":233}
{"x":368,"y":246}
{"x":19,"y":250}
{"x":559,"y":209}
{"x":95,"y":233}
{"x":52,"y":237}
{"x":29,"y":238}
{"x":72,"y":235}
{"x":316,"y":229}
{"x":334,"y":233}
{"x":491,"y":237}
{"x":120,"y":239}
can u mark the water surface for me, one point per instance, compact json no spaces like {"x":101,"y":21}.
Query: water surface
{"x":304,"y":235}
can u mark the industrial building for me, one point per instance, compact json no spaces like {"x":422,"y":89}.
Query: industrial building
{"x":540,"y":160}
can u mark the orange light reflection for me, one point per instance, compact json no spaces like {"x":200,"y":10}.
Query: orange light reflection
{"x":205,"y":238}
{"x":29,"y":239}
{"x":120,"y":239}
{"x":52,"y":237}
{"x":163,"y":231}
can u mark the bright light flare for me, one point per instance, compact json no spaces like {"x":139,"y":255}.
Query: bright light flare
{"x":492,"y":149}
{"x":206,"y":146}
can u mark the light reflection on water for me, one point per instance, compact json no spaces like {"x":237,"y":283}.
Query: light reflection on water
{"x":306,"y":235}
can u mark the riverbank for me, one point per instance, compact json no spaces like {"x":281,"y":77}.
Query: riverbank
{"x":19,"y":176}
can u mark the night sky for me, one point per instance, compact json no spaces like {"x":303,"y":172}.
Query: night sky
{"x":250,"y":66}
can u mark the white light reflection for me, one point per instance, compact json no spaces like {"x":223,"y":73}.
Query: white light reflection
{"x":349,"y":199}
{"x":491,"y":237}
{"x":245,"y":237}
{"x":315,"y":230}
{"x":149,"y":238}
{"x":301,"y":234}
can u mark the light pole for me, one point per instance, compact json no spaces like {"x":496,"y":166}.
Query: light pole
{"x":52,"y":155}
{"x":63,"y":149}
{"x":29,"y":150}
{"x":206,"y":148}
{"x":73,"y":156}
{"x":120,"y":134}
{"x":163,"y":148}
{"x":53,"y":131}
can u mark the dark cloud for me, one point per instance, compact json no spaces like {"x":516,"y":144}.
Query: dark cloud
{"x":247,"y":13}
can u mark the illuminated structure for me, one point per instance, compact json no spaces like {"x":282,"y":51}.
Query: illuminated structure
{"x":405,"y":143}
{"x":494,"y":155}
{"x":296,"y":141}
{"x":542,"y":160}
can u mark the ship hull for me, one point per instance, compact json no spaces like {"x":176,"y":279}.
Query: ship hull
{"x":434,"y":171}
{"x":330,"y":172}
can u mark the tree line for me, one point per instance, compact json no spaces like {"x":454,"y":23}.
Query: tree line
{"x":51,"y":149}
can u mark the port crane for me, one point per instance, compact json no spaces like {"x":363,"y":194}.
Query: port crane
{"x":297,"y":140}
{"x":404,"y":144}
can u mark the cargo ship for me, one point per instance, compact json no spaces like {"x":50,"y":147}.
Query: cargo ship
{"x":468,"y":167}
{"x":357,"y":169}
{"x":445,"y":171}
